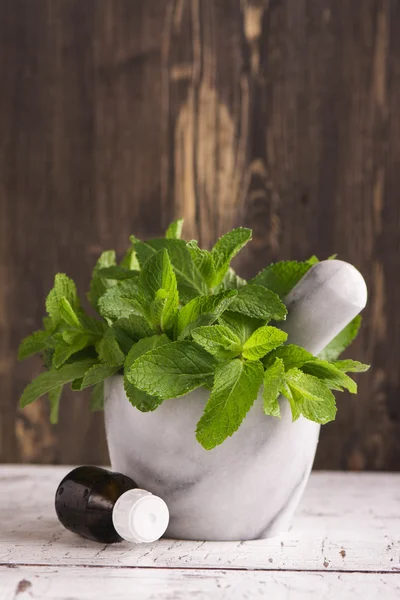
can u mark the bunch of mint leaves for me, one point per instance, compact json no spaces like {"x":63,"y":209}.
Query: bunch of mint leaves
{"x":173,"y":317}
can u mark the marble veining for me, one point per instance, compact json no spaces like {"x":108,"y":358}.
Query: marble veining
{"x":250,"y":486}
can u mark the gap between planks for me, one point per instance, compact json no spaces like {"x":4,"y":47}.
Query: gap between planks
{"x":395,"y":571}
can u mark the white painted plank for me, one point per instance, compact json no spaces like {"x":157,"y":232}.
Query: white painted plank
{"x":55,"y":583}
{"x":346,"y":522}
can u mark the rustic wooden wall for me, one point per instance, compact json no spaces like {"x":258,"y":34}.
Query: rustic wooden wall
{"x":118,"y":115}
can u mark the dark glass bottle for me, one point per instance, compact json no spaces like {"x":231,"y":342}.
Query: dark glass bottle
{"x":108,"y":507}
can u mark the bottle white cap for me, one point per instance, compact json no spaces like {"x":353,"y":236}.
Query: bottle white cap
{"x":140,"y":517}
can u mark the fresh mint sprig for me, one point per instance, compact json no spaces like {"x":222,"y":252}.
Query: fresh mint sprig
{"x":173,"y":317}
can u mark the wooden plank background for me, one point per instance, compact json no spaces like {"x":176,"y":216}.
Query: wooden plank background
{"x":118,"y":115}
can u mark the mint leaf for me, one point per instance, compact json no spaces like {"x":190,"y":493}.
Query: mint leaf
{"x":235,"y":389}
{"x":130,"y":260}
{"x":36,"y":342}
{"x":333,"y":377}
{"x":241,"y":325}
{"x":226,"y":249}
{"x":76,"y":384}
{"x":109,"y":351}
{"x":54,"y":396}
{"x":281,"y":277}
{"x":118,"y":273}
{"x":312,"y":397}
{"x":204,"y":310}
{"x":97,"y":373}
{"x":351,"y":366}
{"x":189,"y":280}
{"x":287,"y":392}
{"x":204,"y":262}
{"x":158,"y":286}
{"x":97,"y":397}
{"x":335,"y":348}
{"x":174,"y":230}
{"x":64,"y":351}
{"x":143,"y":401}
{"x":172,"y":370}
{"x":274,"y":377}
{"x":257,"y":302}
{"x":120,"y":301}
{"x":142,"y":250}
{"x":218,"y":340}
{"x":67,"y":313}
{"x":99,"y":285}
{"x":292,"y":356}
{"x":90,"y":325}
{"x":143,"y":346}
{"x":48,"y":381}
{"x":129,"y":330}
{"x":231,"y":281}
{"x":84,"y":354}
{"x":263,"y":340}
{"x":63,"y":287}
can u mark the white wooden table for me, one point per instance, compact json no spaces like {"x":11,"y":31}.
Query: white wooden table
{"x":345,"y":543}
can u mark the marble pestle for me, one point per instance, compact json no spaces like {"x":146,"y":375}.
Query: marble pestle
{"x":249,"y":487}
{"x":324,"y":301}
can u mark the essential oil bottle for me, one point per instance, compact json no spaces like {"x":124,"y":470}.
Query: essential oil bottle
{"x":109,"y":507}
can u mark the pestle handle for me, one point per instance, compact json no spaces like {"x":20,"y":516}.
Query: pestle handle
{"x":323,"y":302}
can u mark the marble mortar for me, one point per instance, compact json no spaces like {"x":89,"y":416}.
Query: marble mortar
{"x":249,"y":487}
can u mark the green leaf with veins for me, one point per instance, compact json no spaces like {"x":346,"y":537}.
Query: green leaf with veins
{"x":281,"y":277}
{"x":292,"y":356}
{"x":49,"y":380}
{"x":241,"y":325}
{"x":274,"y":378}
{"x":63,"y":287}
{"x":236,"y":386}
{"x":313,"y":398}
{"x":129,"y":330}
{"x":189,"y":280}
{"x":226,"y":249}
{"x":202,"y":311}
{"x":333,"y":377}
{"x":335,"y":348}
{"x":159,"y":289}
{"x":63,"y":350}
{"x":32,"y":344}
{"x":97,"y":397}
{"x":172,"y":370}
{"x":99,"y":285}
{"x":263,"y":340}
{"x":109,"y":350}
{"x":257,"y":302}
{"x":351,"y":366}
{"x":174,"y":230}
{"x":143,"y":401}
{"x":231,"y":281}
{"x":204,"y":262}
{"x":143,"y":346}
{"x":130,"y":260}
{"x":121,"y":301}
{"x":68,"y":314}
{"x":218,"y":341}
{"x":118,"y":273}
{"x":97,"y":373}
{"x":287,"y":392}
